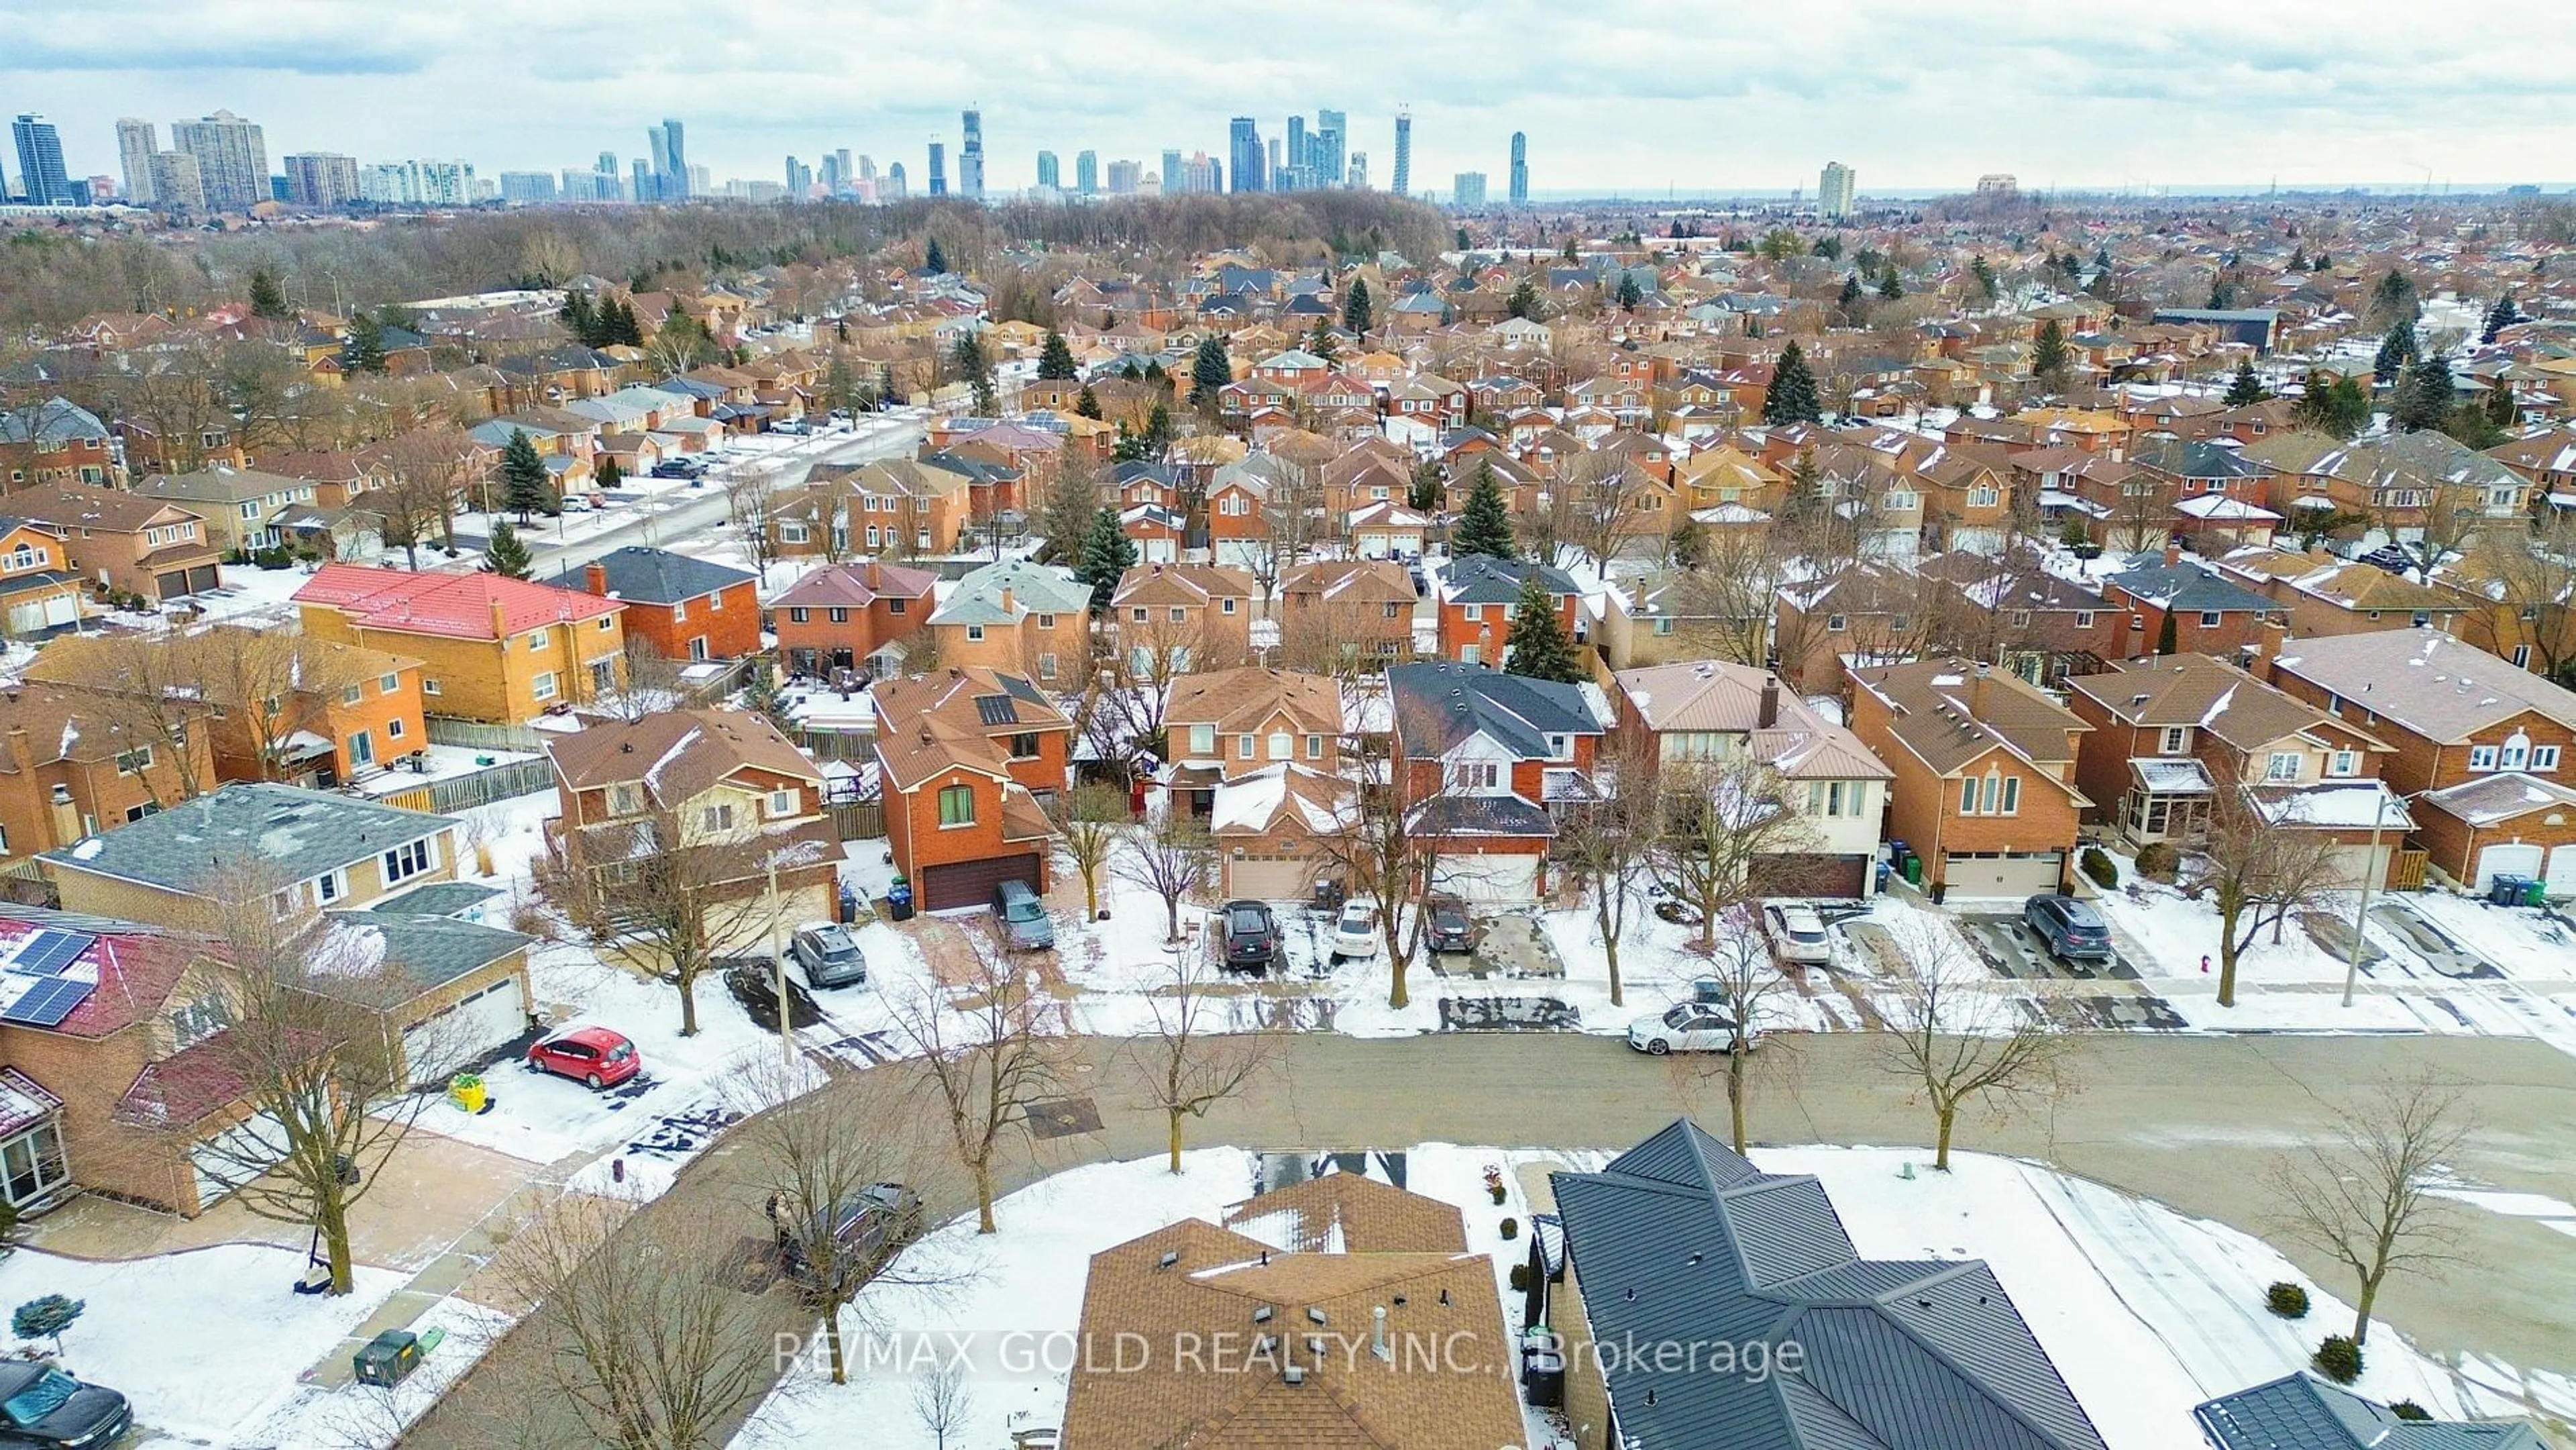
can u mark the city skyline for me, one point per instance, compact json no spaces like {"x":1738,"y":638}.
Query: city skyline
{"x":2195,"y":94}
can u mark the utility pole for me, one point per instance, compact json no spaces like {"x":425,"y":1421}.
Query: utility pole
{"x":778,"y":965}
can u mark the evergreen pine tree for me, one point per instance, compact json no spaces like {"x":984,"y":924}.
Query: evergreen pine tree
{"x":1320,"y":342}
{"x":1358,"y":311}
{"x":885,"y":385}
{"x":2247,"y":388}
{"x":525,"y":488}
{"x":1107,"y":555}
{"x":2394,"y":298}
{"x":2321,"y":263}
{"x":608,"y":474}
{"x":1985,"y":275}
{"x":2500,"y":406}
{"x":2396,"y":352}
{"x":2499,"y":317}
{"x":2051,"y":361}
{"x":1537,"y":647}
{"x":365,"y":350}
{"x":1629,"y":292}
{"x":1850,"y":292}
{"x":1792,"y":396}
{"x":2298,"y":259}
{"x":1524,"y":303}
{"x":1422,"y":490}
{"x":1055,"y":364}
{"x":580,"y":318}
{"x":622,"y":328}
{"x":1891,"y":286}
{"x":2424,"y":398}
{"x":2348,"y":408}
{"x":1088,"y":405}
{"x":974,"y":370}
{"x":1485,"y":524}
{"x":505,"y":554}
{"x":267,"y":299}
{"x":1210,"y":371}
{"x":933,"y":258}
{"x":1689,"y":543}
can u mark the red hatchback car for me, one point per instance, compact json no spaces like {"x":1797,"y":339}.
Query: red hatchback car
{"x":595,"y":1055}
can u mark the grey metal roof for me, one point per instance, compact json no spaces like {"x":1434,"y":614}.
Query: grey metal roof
{"x":1679,"y":1241}
{"x":290,"y":834}
{"x":1438,"y":703}
{"x":2302,"y":1412}
{"x":655,"y":576}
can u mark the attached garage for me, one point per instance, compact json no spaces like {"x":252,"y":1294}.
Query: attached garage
{"x":968,"y":884}
{"x":2518,"y":859}
{"x":2003,"y":873}
{"x":1488,"y":878}
{"x":225,"y":1161}
{"x":1809,"y":874}
{"x":2352,"y":863}
{"x":1269,"y":877}
{"x":2561,"y":875}
{"x":474,"y":1027}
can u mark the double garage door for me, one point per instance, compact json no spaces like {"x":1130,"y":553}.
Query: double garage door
{"x":1488,"y":878}
{"x":438,"y":1048}
{"x":2003,"y":874}
{"x":1269,"y":878}
{"x":2555,"y":866}
{"x":971,"y":883}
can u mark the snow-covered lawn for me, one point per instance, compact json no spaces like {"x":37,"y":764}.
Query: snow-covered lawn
{"x":2145,"y":1311}
{"x":206,"y":1344}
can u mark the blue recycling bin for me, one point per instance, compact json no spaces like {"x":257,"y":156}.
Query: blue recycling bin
{"x":2508,"y":890}
{"x":899,"y":900}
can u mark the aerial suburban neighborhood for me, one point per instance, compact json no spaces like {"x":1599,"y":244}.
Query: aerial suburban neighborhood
{"x":1217,"y":797}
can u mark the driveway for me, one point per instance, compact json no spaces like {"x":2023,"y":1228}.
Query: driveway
{"x":2190,"y":1121}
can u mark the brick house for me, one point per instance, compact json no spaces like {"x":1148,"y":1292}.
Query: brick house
{"x":720,"y":776}
{"x":1173,"y":618}
{"x":1985,"y":788}
{"x":850,"y":616}
{"x":2479,"y":748}
{"x":2321,"y":594}
{"x":57,"y":441}
{"x":125,"y":542}
{"x":1345,"y":613}
{"x":39,"y":595}
{"x":1224,"y":724}
{"x":1016,"y":617}
{"x":684,"y":608}
{"x":1481,"y":757}
{"x":491,"y":648}
{"x":2207,"y":614}
{"x":76,"y":763}
{"x":1478,"y":596}
{"x":966,"y":759}
{"x":2171,"y":732}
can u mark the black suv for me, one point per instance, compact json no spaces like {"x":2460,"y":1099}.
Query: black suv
{"x":1451,"y":931}
{"x":869,"y":1228}
{"x":1252,"y":942}
{"x":41,"y":1405}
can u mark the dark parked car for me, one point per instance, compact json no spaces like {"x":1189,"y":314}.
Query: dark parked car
{"x":869,"y":1228}
{"x":41,"y":1405}
{"x":2071,"y":930}
{"x":755,"y":985}
{"x":829,"y":958}
{"x":1252,"y":941}
{"x":1451,"y":931}
{"x":678,"y":468}
{"x":1023,"y":918}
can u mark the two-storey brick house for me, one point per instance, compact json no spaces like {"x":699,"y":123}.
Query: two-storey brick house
{"x":966,"y":759}
{"x":682,"y":608}
{"x":1481,"y":759}
{"x":851,"y":616}
{"x":1478,"y":596}
{"x":1985,"y":788}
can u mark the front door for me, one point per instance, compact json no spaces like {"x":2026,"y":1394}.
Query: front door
{"x":698,"y":648}
{"x":362,"y":749}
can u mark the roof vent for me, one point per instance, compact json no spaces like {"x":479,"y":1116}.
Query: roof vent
{"x":1261,"y":1315}
{"x":1170,"y":1257}
{"x":1314,"y":1315}
{"x":1294,"y":1374}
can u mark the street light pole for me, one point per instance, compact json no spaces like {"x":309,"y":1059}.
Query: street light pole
{"x":778,"y":965}
{"x":2370,"y":872}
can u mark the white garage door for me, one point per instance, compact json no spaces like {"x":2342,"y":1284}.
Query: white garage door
{"x":2562,"y":873}
{"x":61,"y":609}
{"x":2001,"y":876}
{"x":2352,"y":863}
{"x":235,"y":1156}
{"x":442,"y":1046}
{"x":1488,"y":878}
{"x":1269,"y":878}
{"x":2515,"y":860}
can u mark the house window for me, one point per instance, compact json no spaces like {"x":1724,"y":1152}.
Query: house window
{"x":2084,"y":619}
{"x":2517,"y":751}
{"x":330,"y":886}
{"x":2482,"y":757}
{"x":429,"y":687}
{"x":716,"y":818}
{"x":837,"y":616}
{"x":2176,"y":738}
{"x":1836,"y":624}
{"x":1179,"y":614}
{"x":1314,"y":747}
{"x":1046,"y":666}
{"x":2019,"y":619}
{"x":1394,"y":611}
{"x":625,"y":800}
{"x":897,"y":606}
{"x":607,"y":622}
{"x":1045,"y":621}
{"x":2012,"y":795}
{"x":543,"y":687}
{"x":2209,"y":619}
{"x":198,"y":1021}
{"x":1475,"y":775}
{"x":1203,"y":740}
{"x":782,"y":804}
{"x":1475,"y":613}
{"x":129,"y":762}
{"x":1243,"y":747}
{"x":388,"y":684}
{"x":1024,"y":747}
{"x":791,"y":533}
{"x":680,"y":609}
{"x":797,"y":615}
{"x":1141,"y":615}
{"x":536,"y":641}
{"x":1282,"y":745}
{"x":2344,"y":762}
{"x":1968,"y":797}
{"x":975,"y":633}
{"x":2283,"y":765}
{"x":284,"y":904}
{"x":353,"y":694}
{"x":404,"y":862}
{"x":957,"y":805}
{"x":2544,"y":759}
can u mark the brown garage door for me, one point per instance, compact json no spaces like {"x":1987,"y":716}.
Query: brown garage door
{"x":971,"y":883}
{"x":1810,"y":875}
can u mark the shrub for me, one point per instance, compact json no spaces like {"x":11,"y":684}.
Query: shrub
{"x":1511,"y":1228}
{"x":46,"y":1318}
{"x":1520,"y":1278}
{"x":2409,"y":1410}
{"x":2098,"y":867}
{"x":2287,"y":1300}
{"x":1500,"y":1193}
{"x":2159,"y":861}
{"x":2338,"y":1359}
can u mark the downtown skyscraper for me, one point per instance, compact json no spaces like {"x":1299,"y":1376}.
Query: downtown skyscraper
{"x":136,"y":145}
{"x":970,"y":158}
{"x":1246,"y":161}
{"x":1834,"y":191}
{"x":670,"y":151}
{"x":1050,"y":172}
{"x":1520,"y":169}
{"x":231,"y":156}
{"x":40,"y":161}
{"x":1403,"y":154}
{"x":1086,"y":172}
{"x":938,"y":168}
{"x":1326,"y":148}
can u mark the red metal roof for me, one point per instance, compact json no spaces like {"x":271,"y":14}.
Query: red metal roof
{"x":458,"y":606}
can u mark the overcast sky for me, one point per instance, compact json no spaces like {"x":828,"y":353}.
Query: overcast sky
{"x":1638,"y":96}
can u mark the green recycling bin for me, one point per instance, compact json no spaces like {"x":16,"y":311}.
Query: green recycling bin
{"x":388,"y":1359}
{"x":1913,"y":869}
{"x":2535,"y":893}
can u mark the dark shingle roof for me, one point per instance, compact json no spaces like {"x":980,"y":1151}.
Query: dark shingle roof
{"x":1680,"y":1241}
{"x":654,"y":576}
{"x":293,"y":835}
{"x":2302,"y":1412}
{"x":1481,"y":579}
{"x":2186,"y":587}
{"x":1438,"y":703}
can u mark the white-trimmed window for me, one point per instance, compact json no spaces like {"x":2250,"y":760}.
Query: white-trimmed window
{"x":717,"y":817}
{"x":404,"y":862}
{"x":1475,"y":775}
{"x":783,"y":804}
{"x":2482,"y":757}
{"x":2282,"y":765}
{"x":543,"y":686}
{"x":537,"y":641}
{"x":1243,"y":747}
{"x":394,"y":728}
{"x":130,"y":762}
{"x":428,"y":686}
{"x":2177,"y":740}
{"x":2344,"y":762}
{"x":1203,"y":740}
{"x":388,"y":684}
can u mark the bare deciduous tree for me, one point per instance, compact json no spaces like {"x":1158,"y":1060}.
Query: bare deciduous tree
{"x":2365,"y":1198}
{"x":1748,"y":979}
{"x":941,"y":1398}
{"x":1174,"y":857}
{"x":2258,"y":867}
{"x":1608,"y":846}
{"x":433,"y":469}
{"x":1719,"y":818}
{"x":1090,"y":820}
{"x":1959,"y":1043}
{"x":1189,"y":1063}
{"x":1373,"y":851}
{"x":988,"y":1051}
{"x":751,"y":503}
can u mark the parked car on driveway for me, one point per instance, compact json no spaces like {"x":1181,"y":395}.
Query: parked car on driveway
{"x":42,"y":1405}
{"x":1022,"y":918}
{"x":1450,"y":929}
{"x":1355,"y":931}
{"x":594,"y":1055}
{"x":1797,"y":933}
{"x":868,"y":1228}
{"x":2069,"y":929}
{"x":1687,"y":1027}
{"x":1252,"y":942}
{"x":829,"y":958}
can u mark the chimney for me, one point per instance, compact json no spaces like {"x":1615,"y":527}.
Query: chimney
{"x":20,"y":756}
{"x":1977,"y":693}
{"x":1006,"y":598}
{"x":1770,"y":715}
{"x":500,"y":625}
{"x":2267,"y":648}
{"x":597,"y":574}
{"x":2173,"y":552}
{"x":872,"y":574}
{"x":1378,"y":1344}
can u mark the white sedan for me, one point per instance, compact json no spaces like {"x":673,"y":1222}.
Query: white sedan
{"x":1687,"y":1027}
{"x":1355,"y":932}
{"x":1797,"y":933}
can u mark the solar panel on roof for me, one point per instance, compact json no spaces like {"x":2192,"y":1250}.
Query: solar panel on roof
{"x":48,"y":952}
{"x":48,"y":1001}
{"x":997,"y":709}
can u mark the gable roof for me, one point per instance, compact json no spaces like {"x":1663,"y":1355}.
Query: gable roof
{"x":1483,"y":579}
{"x":856,"y":586}
{"x":2184,"y":586}
{"x":1719,"y":697}
{"x":956,"y":719}
{"x":2209,"y":694}
{"x":1951,"y":712}
{"x":653,"y":576}
{"x":1241,"y":699}
{"x":677,"y":754}
{"x":2425,"y":680}
{"x":2301,"y":1412}
{"x":456,"y":606}
{"x":290,"y":834}
{"x":1680,"y":1240}
{"x":1439,"y":703}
